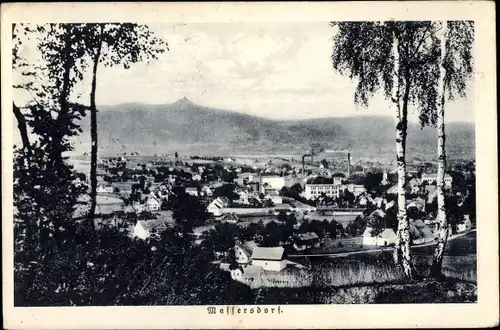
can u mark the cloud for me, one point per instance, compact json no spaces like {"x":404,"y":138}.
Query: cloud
{"x":256,"y":49}
{"x":278,"y":70}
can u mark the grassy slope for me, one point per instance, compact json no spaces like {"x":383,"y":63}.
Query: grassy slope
{"x":372,"y":278}
{"x":449,"y":291}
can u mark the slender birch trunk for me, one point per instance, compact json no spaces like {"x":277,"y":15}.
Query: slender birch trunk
{"x":93,"y":132}
{"x":402,"y":253}
{"x":441,"y":208}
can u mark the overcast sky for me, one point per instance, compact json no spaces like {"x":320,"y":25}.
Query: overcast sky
{"x":279,"y":71}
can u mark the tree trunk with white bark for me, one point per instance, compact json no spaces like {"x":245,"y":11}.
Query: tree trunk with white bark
{"x":402,"y":253}
{"x":441,"y":137}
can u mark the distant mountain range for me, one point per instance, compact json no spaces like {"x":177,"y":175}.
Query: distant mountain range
{"x":194,"y":129}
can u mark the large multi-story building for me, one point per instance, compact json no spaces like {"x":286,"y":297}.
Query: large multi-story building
{"x":313,"y":191}
{"x":432,"y":178}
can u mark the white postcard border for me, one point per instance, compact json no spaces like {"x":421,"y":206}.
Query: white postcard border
{"x":482,"y":313}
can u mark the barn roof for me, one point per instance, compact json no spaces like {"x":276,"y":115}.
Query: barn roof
{"x":230,"y":217}
{"x":268,"y":253}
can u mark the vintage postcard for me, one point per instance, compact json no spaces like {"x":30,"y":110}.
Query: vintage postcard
{"x":249,"y":165}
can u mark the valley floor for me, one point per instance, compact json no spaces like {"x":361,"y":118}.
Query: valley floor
{"x":373,"y":278}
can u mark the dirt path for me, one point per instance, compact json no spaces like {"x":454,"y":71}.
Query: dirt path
{"x":346,"y":254}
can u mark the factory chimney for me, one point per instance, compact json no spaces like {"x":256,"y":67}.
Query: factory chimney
{"x":348,"y":164}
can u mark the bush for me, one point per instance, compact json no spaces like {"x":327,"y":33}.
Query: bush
{"x":385,"y":258}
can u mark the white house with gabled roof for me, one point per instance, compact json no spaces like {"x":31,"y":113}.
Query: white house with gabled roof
{"x":386,"y":237}
{"x":269,"y":258}
{"x":145,"y":228}
{"x":243,"y":252}
{"x":153,"y":203}
{"x":216,"y":207}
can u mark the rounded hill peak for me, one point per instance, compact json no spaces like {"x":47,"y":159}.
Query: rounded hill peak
{"x":184,"y":100}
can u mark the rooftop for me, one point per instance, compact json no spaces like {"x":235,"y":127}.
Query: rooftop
{"x":306,"y":236}
{"x":153,"y":224}
{"x":268,"y":253}
{"x":248,"y":247}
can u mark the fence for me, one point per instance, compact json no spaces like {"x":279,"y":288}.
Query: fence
{"x":340,"y":209}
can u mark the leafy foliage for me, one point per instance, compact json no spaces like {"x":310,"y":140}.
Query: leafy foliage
{"x":45,"y":194}
{"x":188,"y":211}
{"x":226,"y":190}
{"x":362,"y":50}
{"x":459,"y":61}
{"x":59,"y":262}
{"x":107,"y":268}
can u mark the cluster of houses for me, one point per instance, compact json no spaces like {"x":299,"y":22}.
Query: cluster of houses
{"x":254,"y":189}
{"x":426,"y":184}
{"x":421,"y":232}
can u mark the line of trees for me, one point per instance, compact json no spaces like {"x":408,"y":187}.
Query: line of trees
{"x":68,"y":51}
{"x":416,"y":64}
{"x":46,"y":192}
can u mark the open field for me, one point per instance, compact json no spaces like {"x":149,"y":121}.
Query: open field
{"x":373,"y":278}
{"x":462,"y":246}
{"x":105,"y":205}
{"x":343,"y":219}
{"x":459,"y":260}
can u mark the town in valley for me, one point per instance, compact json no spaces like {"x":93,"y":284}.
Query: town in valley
{"x":243,"y":163}
{"x":270,"y":221}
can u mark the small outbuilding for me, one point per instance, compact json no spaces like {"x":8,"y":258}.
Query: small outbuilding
{"x":385,"y":238}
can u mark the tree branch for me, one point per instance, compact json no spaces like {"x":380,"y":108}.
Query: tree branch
{"x":424,"y":37}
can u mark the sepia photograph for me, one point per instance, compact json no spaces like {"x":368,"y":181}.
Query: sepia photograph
{"x":244,"y":166}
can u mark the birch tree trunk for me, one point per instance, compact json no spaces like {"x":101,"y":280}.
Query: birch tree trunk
{"x":402,"y":253}
{"x":93,"y":132}
{"x":441,"y":208}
